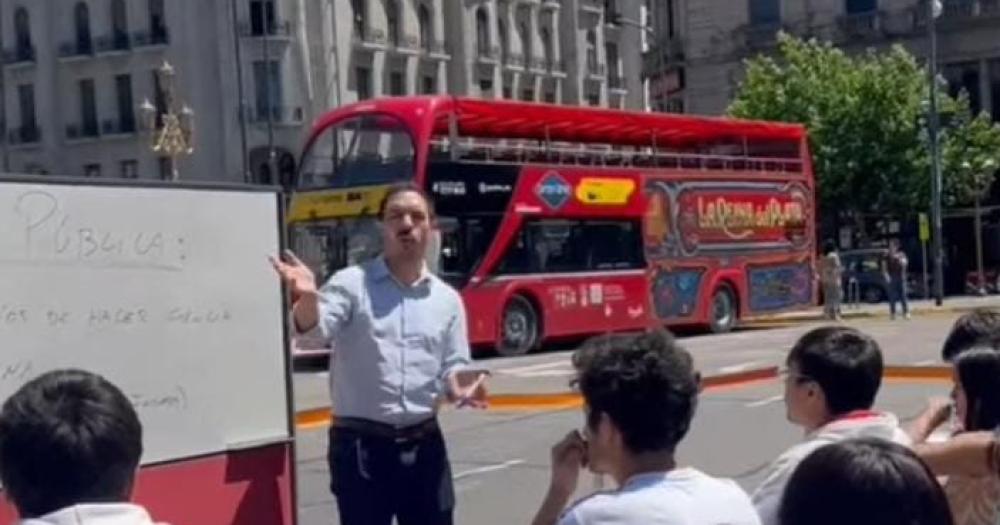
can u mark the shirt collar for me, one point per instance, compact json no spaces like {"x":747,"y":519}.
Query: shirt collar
{"x":381,"y":272}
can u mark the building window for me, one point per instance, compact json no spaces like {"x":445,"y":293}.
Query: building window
{"x":363,"y":82}
{"x":995,"y":88}
{"x":528,"y":95}
{"x":671,"y":19}
{"x":485,"y":86}
{"x":482,"y":32}
{"x":91,"y":170}
{"x":360,"y":10}
{"x":88,"y":108}
{"x":267,"y":85}
{"x":392,"y":21}
{"x":166,"y":168}
{"x":765,"y":12}
{"x":856,"y":7}
{"x":504,"y":41}
{"x":126,"y":113}
{"x":263,"y":19}
{"x":594,"y":98}
{"x":129,"y":169}
{"x":964,"y":77}
{"x":81,"y":19}
{"x":614,"y":61}
{"x":525,"y":36}
{"x":397,"y":84}
{"x":549,"y":49}
{"x":159,"y":99}
{"x":119,"y":24}
{"x":429,"y":85}
{"x":550,"y":97}
{"x":28,"y":132}
{"x":157,"y":21}
{"x":508,"y":91}
{"x":592,"y":61}
{"x":22,"y":34}
{"x":426,"y":31}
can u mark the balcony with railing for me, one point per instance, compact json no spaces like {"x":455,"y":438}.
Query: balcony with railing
{"x":158,"y":36}
{"x":276,"y":115}
{"x":556,"y":67}
{"x":275,"y":29}
{"x":860,"y":25}
{"x":514,"y":61}
{"x":78,"y":48}
{"x":596,"y":70}
{"x":86,"y":130}
{"x":957,"y":11}
{"x":117,"y":42}
{"x":370,"y":39}
{"x":23,"y":54}
{"x":616,"y":82}
{"x":119,"y":126}
{"x":488,"y":56}
{"x":24,"y":135}
{"x":436,"y":50}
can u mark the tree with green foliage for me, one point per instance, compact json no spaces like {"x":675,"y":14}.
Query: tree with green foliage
{"x":864,"y":117}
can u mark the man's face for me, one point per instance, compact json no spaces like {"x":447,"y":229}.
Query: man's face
{"x":800,"y":396}
{"x":406,"y":226}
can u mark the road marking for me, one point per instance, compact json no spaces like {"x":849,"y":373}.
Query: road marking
{"x":765,"y":402}
{"x":732,"y":369}
{"x":532,"y":368}
{"x":927,"y":362}
{"x":489,"y":468}
{"x":548,"y":373}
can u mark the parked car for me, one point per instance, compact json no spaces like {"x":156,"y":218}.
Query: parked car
{"x":864,"y":267}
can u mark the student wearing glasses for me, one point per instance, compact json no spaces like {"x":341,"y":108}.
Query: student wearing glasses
{"x":832,"y":377}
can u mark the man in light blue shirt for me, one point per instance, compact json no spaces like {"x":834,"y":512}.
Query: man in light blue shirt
{"x":400,"y":348}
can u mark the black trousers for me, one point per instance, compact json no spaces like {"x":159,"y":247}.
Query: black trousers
{"x":376,"y":478}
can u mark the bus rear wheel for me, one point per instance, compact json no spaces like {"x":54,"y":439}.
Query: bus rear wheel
{"x":519,"y":330}
{"x":723,"y":313}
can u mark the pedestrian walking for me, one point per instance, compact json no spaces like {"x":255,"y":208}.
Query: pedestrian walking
{"x":400,"y":349}
{"x":831,"y":279}
{"x":894,"y":270}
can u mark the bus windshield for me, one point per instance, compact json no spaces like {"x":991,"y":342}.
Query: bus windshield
{"x":364,"y":150}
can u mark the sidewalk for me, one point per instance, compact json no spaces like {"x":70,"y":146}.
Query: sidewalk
{"x":920,"y":307}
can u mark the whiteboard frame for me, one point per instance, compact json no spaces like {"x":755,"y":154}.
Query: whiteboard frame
{"x":279,"y":195}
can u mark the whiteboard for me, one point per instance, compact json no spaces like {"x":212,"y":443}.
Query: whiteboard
{"x":165,"y":291}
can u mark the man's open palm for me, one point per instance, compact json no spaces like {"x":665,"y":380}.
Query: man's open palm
{"x":299,"y":279}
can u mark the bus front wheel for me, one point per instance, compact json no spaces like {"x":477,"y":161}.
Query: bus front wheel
{"x":723,"y":314}
{"x":519,"y":331}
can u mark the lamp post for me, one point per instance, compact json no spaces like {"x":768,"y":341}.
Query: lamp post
{"x":934,"y":9}
{"x":658,"y":48}
{"x":175,"y":135}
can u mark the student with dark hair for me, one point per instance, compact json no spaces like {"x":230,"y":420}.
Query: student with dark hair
{"x":831,"y":379}
{"x":401,"y":348}
{"x":640,"y":393}
{"x":70,"y":444}
{"x":980,"y":327}
{"x":975,"y":499}
{"x":863,"y":482}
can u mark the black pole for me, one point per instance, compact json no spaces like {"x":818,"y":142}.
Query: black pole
{"x":239,"y":92}
{"x":933,"y":120}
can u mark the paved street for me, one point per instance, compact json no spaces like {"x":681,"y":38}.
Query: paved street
{"x":500,"y":459}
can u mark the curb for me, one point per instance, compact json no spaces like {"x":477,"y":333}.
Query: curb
{"x":816,"y":317}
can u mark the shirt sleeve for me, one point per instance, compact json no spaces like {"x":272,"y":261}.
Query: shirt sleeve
{"x":336,"y":306}
{"x":456,"y":353}
{"x":767,"y":497}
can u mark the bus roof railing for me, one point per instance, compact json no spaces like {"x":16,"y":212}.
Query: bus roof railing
{"x":467,"y":149}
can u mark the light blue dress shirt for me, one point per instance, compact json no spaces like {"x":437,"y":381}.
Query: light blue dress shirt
{"x":393,"y":345}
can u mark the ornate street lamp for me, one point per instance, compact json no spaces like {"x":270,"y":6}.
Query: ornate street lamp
{"x":175,"y":136}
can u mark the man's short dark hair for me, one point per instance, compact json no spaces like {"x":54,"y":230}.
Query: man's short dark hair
{"x":645,"y":383}
{"x":405,"y":187}
{"x":980,"y":327}
{"x":68,"y":437}
{"x":860,"y":481}
{"x":846,"y":364}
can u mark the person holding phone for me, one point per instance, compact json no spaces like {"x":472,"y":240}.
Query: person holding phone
{"x":401,"y":349}
{"x":640,"y":393}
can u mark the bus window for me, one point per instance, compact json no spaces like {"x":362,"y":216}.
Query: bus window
{"x":359,"y":151}
{"x":548,"y":246}
{"x":464,"y":242}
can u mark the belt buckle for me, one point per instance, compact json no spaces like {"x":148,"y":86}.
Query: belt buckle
{"x":409,"y":457}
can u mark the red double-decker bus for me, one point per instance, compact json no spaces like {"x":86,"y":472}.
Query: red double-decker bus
{"x":558,"y":222}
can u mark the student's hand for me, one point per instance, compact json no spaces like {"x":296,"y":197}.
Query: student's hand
{"x":567,"y":459}
{"x":938,"y":411}
{"x":467,"y":388}
{"x":299,"y":279}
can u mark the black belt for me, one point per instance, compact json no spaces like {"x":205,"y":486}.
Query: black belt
{"x":368,"y":427}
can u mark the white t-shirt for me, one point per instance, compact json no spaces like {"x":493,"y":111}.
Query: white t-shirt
{"x":678,"y":497}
